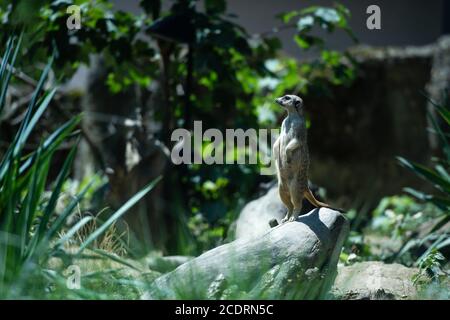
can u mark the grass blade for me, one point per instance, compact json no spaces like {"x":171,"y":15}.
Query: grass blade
{"x":59,"y":222}
{"x":115,"y":258}
{"x":53,"y":141}
{"x":27,"y":130}
{"x":80,"y":224}
{"x":5,"y":82}
{"x":131,"y":202}
{"x":49,"y":209}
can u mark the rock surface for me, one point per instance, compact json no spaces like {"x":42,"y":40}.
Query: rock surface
{"x":296,"y":260}
{"x":255,"y":216}
{"x":374,"y":280}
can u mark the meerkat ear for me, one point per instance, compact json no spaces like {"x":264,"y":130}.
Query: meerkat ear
{"x":298,"y":104}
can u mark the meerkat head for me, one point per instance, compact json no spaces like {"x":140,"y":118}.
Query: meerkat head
{"x":290,"y":102}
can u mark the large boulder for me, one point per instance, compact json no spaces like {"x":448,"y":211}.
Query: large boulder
{"x":374,"y":280}
{"x":295,"y":260}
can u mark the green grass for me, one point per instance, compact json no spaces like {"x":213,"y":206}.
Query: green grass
{"x":30,"y":227}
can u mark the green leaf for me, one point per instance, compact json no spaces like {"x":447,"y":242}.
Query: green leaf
{"x":286,"y":17}
{"x":328,"y":15}
{"x":443,"y":244}
{"x":5,"y":62}
{"x":53,"y":141}
{"x":442,"y":222}
{"x":443,"y":111}
{"x":30,"y":204}
{"x":441,"y":135}
{"x":27,"y":130}
{"x":441,"y":202}
{"x":441,"y":170}
{"x":32,"y":104}
{"x":5,"y":59}
{"x":305,"y":23}
{"x":309,"y":10}
{"x":443,"y":238}
{"x":49,"y":209}
{"x":44,"y":166}
{"x":427,"y":174}
{"x":306,"y":41}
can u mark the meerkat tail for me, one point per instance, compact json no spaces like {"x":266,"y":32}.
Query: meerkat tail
{"x":310,"y":197}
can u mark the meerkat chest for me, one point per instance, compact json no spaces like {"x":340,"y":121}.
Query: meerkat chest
{"x":293,"y":128}
{"x":292,"y":148}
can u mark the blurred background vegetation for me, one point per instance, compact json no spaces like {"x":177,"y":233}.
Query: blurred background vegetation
{"x":85,"y":175}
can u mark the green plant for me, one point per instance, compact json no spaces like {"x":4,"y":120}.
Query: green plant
{"x":438,"y":176}
{"x":430,"y":267}
{"x":29,"y":227}
{"x":399,"y":216}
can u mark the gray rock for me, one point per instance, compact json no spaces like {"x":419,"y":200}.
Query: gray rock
{"x":375,"y":280}
{"x":296,"y":260}
{"x":255,"y":217}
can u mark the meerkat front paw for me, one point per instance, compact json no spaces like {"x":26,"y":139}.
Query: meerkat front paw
{"x":294,"y":215}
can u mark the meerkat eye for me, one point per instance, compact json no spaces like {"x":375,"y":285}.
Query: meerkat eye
{"x":287,"y":98}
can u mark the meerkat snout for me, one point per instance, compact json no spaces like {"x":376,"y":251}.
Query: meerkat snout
{"x":290,"y":101}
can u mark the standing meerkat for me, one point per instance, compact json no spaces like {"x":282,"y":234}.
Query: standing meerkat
{"x":292,"y":159}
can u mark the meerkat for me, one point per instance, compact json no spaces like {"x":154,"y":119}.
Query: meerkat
{"x":292,"y":159}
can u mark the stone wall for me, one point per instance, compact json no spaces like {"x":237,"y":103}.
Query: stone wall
{"x":358,"y":131}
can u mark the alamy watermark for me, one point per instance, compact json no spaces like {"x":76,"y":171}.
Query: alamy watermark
{"x":73,"y":274}
{"x":373,"y":22}
{"x":239,"y":146}
{"x":73,"y":22}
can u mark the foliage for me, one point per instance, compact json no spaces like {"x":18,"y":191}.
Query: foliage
{"x":356,"y":249}
{"x":326,"y":18}
{"x":431,"y":267}
{"x":29,"y":226}
{"x":409,"y":228}
{"x":398,"y":231}
{"x":398,"y":216}
{"x":438,"y":176}
{"x":399,"y":228}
